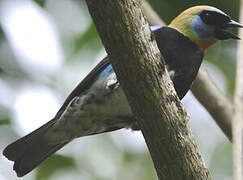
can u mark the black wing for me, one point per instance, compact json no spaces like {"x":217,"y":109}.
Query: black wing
{"x":85,"y":83}
{"x":181,"y":55}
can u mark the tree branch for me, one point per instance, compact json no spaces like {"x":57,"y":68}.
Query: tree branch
{"x":141,"y":72}
{"x":213,"y":99}
{"x":238,"y":109}
{"x":204,"y":89}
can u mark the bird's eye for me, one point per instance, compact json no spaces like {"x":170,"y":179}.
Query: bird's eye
{"x":214,"y":18}
{"x":207,"y":14}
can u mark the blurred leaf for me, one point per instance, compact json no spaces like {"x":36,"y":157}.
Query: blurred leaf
{"x":168,"y":9}
{"x":90,"y":37}
{"x":222,"y":161}
{"x":2,"y":35}
{"x":40,"y":2}
{"x":4,"y":122}
{"x":1,"y":71}
{"x":138,"y":166}
{"x":223,"y":56}
{"x":4,"y":115}
{"x":53,"y":164}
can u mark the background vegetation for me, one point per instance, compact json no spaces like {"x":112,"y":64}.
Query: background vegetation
{"x":47,"y":47}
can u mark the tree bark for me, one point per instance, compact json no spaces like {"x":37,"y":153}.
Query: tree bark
{"x":141,"y":72}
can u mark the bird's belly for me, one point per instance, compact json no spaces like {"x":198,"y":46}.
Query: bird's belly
{"x":112,"y":105}
{"x":107,"y":99}
{"x":95,"y":112}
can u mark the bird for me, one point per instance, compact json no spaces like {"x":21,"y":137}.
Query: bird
{"x":98,"y":104}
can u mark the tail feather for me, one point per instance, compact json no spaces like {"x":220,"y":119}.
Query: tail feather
{"x":29,"y":151}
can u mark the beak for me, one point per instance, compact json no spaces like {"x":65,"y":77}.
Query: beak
{"x":222,"y":34}
{"x":233,"y":23}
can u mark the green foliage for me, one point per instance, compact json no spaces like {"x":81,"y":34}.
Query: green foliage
{"x":138,"y":166}
{"x":221,"y":164}
{"x":89,"y":38}
{"x":40,"y":2}
{"x":4,"y":116}
{"x":2,"y":36}
{"x":1,"y":71}
{"x":168,"y":9}
{"x":4,"y":122}
{"x":223,"y":56}
{"x":52,"y":165}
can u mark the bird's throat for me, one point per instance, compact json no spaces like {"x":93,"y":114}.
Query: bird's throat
{"x":204,"y":44}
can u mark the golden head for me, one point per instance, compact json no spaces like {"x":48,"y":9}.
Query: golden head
{"x":204,"y":25}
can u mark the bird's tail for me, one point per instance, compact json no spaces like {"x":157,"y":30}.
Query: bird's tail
{"x":29,"y":151}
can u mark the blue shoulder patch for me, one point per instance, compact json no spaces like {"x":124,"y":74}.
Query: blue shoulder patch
{"x":155,"y":27}
{"x":106,"y":72}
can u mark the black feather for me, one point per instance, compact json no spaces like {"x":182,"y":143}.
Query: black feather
{"x":30,"y":150}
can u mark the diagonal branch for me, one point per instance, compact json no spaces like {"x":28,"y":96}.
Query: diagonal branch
{"x":238,"y":110}
{"x":204,"y":89}
{"x":141,"y":72}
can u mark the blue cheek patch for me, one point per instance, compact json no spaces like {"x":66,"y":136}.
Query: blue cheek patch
{"x":200,"y":29}
{"x":106,"y":72}
{"x":196,"y":24}
{"x":155,"y":27}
